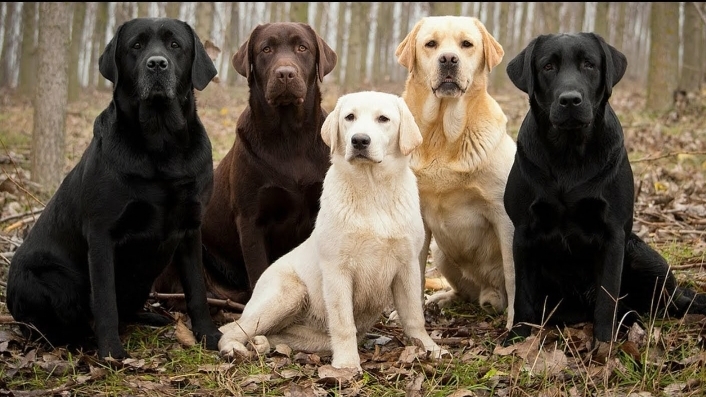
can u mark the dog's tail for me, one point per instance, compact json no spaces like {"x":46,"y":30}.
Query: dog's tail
{"x":649,"y":285}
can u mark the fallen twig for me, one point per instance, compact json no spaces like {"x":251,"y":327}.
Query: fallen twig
{"x":7,"y":319}
{"x":225,"y":303}
{"x":16,"y":216}
{"x":670,"y":154}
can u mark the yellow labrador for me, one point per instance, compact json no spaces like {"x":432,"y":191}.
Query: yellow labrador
{"x":362,"y":255}
{"x":464,"y":160}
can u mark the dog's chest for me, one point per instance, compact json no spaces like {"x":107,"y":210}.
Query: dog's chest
{"x":569,"y":222}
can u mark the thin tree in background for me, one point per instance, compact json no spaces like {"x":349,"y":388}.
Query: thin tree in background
{"x":663,"y":69}
{"x":600,"y":26}
{"x":50,"y":102}
{"x":28,"y":60}
{"x":79,"y":14}
{"x":692,"y":68}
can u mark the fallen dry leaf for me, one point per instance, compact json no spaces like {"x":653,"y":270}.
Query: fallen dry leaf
{"x":183,"y":334}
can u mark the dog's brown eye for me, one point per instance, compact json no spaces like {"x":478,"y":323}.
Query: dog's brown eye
{"x":302,"y":48}
{"x":548,"y":67}
{"x":383,"y":119}
{"x":350,"y":117}
{"x":137,"y":46}
{"x":588,"y":64}
{"x":430,"y":44}
{"x":175,"y":44}
{"x":267,"y":50}
{"x":466,"y":44}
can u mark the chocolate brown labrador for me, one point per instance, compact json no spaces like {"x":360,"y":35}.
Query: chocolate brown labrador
{"x":267,"y":187}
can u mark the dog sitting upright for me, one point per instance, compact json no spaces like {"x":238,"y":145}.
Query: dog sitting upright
{"x":570,"y":197}
{"x":131,"y":205}
{"x":328,"y":292}
{"x":267,"y":187}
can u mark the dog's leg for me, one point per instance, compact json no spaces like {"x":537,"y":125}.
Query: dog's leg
{"x":407,"y":302}
{"x":188,"y":259}
{"x":252,"y":242}
{"x":608,"y":289}
{"x":104,"y":303}
{"x":423,"y":255}
{"x":274,"y":304}
{"x":338,"y":299}
{"x":506,"y":231}
{"x":526,"y":293}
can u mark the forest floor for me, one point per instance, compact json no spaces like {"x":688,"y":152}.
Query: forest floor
{"x":664,"y":358}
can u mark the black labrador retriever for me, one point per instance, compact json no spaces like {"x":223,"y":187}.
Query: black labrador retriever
{"x":570,"y":197}
{"x":267,"y":187}
{"x":131,"y":205}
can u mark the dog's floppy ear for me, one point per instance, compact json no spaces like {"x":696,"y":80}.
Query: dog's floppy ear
{"x":406,"y":50}
{"x":614,"y":64}
{"x":410,"y":136}
{"x":492,"y":50}
{"x":202,"y":68}
{"x":326,"y":57}
{"x":242,"y":59}
{"x":107,"y":65}
{"x":519,"y":69}
{"x":329,"y":130}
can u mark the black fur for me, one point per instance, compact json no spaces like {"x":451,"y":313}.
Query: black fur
{"x":131,"y":205}
{"x":570,"y":197}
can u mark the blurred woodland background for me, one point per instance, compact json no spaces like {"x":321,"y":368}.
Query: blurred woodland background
{"x":56,"y":46}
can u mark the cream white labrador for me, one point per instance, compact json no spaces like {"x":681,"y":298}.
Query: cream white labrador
{"x":362,"y":255}
{"x":464,"y":160}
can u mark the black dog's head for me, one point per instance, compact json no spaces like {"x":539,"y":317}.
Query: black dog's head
{"x":284,"y":59}
{"x":156,"y":59}
{"x":568,"y":77}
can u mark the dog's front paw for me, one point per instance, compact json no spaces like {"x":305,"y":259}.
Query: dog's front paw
{"x":114,"y":352}
{"x":260,"y":344}
{"x":516,"y":334}
{"x":231,"y":347}
{"x":436,"y":352}
{"x":210,"y":340}
{"x":492,"y":301}
{"x":443,"y":298}
{"x":347,"y":362}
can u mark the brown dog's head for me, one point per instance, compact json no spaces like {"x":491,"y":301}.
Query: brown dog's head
{"x":284,"y":59}
{"x":449,"y":54}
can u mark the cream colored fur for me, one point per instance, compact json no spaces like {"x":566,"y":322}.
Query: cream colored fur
{"x":464,"y":160}
{"x":362,"y":255}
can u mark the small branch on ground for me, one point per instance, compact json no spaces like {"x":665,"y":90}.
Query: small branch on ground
{"x":16,"y":216}
{"x":670,"y":154}
{"x":224,"y":303}
{"x":7,"y":319}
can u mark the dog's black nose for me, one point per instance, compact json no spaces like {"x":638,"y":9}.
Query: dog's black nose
{"x":571,"y":98}
{"x":285,"y":72}
{"x":448,"y":58}
{"x":360,"y":141}
{"x":157,"y":63}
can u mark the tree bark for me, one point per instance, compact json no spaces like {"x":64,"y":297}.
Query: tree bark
{"x":79,"y":11}
{"x":600,"y":26}
{"x":692,"y":67}
{"x":50,"y":103}
{"x":28,"y":60}
{"x":7,"y":63}
{"x":357,"y":39}
{"x":664,"y":56}
{"x":299,"y":12}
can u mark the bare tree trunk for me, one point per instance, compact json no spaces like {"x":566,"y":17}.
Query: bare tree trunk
{"x":692,"y":67}
{"x":503,"y":36}
{"x":618,"y":24}
{"x":358,"y":32}
{"x":341,"y":29}
{"x":234,"y":41}
{"x":28,"y":60}
{"x":383,"y":56}
{"x":601,"y":20}
{"x":99,"y":43}
{"x":664,"y":54}
{"x":299,"y":12}
{"x":204,"y":20}
{"x":9,"y":48}
{"x":549,"y":21}
{"x":50,"y":103}
{"x":79,"y":11}
{"x":444,"y":8}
